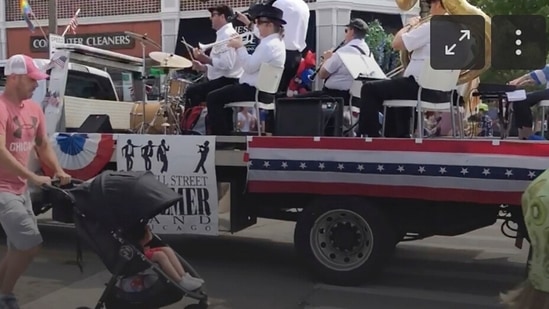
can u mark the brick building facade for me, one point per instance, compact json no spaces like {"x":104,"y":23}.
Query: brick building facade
{"x":160,"y":19}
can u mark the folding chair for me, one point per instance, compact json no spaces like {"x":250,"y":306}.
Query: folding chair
{"x":268,"y":81}
{"x":431,"y":79}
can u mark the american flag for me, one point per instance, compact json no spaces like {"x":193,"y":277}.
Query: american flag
{"x":474,"y":171}
{"x":60,"y":61}
{"x":73,"y":24}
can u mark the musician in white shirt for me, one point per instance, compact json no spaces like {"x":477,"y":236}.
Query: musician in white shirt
{"x":221,"y":67}
{"x":296,"y":14}
{"x":418,"y":41}
{"x":337,"y":78}
{"x":270,"y":50}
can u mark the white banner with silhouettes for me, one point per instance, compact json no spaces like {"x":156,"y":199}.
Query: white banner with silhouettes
{"x":185,"y":164}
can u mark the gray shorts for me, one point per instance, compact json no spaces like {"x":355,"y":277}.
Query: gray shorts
{"x":18,"y":221}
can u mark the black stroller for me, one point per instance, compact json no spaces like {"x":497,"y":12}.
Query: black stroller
{"x":104,"y":210}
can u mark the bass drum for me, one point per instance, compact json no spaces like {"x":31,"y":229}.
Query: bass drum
{"x":151,"y":111}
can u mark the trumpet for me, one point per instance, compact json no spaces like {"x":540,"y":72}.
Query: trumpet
{"x":247,"y":38}
{"x":313,"y":76}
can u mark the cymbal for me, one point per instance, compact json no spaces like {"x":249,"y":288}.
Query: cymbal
{"x":143,"y":38}
{"x":168,"y":67}
{"x":171,"y":61}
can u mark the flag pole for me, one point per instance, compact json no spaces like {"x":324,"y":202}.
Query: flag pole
{"x":69,"y":25}
{"x":40,"y":27}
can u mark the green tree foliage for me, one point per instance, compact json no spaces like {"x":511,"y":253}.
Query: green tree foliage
{"x":379,"y":42}
{"x":424,"y":8}
{"x":511,"y":7}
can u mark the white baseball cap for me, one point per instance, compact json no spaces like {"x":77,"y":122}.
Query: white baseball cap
{"x":23,"y":65}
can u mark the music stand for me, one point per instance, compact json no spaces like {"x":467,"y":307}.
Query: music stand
{"x":498,"y":92}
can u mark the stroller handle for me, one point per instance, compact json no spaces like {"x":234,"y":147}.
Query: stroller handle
{"x":56,"y":186}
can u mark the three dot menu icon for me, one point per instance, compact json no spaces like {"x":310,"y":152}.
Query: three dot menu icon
{"x":519,"y":42}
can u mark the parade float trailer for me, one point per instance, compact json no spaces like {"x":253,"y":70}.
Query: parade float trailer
{"x":353,"y":199}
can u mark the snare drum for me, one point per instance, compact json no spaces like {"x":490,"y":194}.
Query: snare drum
{"x":151,"y":111}
{"x":177,"y":87}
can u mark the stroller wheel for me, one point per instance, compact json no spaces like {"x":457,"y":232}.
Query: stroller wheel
{"x":203,"y":304}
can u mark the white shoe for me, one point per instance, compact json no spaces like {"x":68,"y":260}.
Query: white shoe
{"x":197,"y":279}
{"x":190,"y":284}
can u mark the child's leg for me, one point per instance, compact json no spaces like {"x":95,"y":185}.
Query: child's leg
{"x":162,"y":259}
{"x":174,"y":260}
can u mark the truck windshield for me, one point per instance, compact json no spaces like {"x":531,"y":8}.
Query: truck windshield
{"x":89,"y":86}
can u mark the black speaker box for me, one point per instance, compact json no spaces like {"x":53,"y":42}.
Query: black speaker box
{"x":308,"y":116}
{"x":96,"y":124}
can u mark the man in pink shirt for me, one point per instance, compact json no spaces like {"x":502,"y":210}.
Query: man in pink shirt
{"x":22,"y":129}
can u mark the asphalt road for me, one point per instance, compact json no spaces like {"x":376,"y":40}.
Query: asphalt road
{"x":257,"y":268}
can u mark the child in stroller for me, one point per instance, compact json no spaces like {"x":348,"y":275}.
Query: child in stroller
{"x":165,"y":257}
{"x":110,"y":213}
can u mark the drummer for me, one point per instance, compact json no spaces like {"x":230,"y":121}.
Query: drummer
{"x":221,"y":67}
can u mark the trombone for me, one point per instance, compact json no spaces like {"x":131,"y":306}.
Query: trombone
{"x":394,"y":72}
{"x":247,"y":38}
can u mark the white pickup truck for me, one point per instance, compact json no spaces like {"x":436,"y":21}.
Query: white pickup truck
{"x":81,"y":80}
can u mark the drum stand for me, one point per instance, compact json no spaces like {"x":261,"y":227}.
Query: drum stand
{"x":166,"y":111}
{"x":141,"y":128}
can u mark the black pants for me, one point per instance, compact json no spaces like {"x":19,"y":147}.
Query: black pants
{"x":293,"y":59}
{"x":372,"y":95}
{"x":197,"y":93}
{"x":220,"y":119}
{"x":521,"y":109}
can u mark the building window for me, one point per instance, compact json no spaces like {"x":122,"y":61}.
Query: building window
{"x":96,"y":8}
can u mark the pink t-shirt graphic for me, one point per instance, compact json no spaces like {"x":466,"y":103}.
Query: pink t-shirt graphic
{"x":20,"y":124}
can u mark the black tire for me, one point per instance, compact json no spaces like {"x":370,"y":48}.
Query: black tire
{"x":200,"y":305}
{"x":325,"y":247}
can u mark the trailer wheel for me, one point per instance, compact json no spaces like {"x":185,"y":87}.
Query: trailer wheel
{"x":344,"y":245}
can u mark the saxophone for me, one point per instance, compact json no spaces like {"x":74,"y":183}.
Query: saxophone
{"x":457,"y":7}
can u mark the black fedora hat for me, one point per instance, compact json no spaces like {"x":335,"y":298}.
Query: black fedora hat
{"x":254,"y":9}
{"x":272,"y":13}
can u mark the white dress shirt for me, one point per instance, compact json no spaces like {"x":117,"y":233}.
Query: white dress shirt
{"x":296,"y":14}
{"x":417,"y":41}
{"x":340,"y":78}
{"x":270,"y":50}
{"x":224,"y":62}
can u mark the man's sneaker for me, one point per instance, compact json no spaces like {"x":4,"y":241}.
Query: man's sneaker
{"x":8,"y":301}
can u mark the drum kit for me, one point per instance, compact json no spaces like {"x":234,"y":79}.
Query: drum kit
{"x":161,"y":117}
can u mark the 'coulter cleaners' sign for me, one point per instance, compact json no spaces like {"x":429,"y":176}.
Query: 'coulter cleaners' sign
{"x":111,"y":40}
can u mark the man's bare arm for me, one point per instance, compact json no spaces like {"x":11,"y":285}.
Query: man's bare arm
{"x":8,"y":161}
{"x":46,"y":153}
{"x":323,"y":73}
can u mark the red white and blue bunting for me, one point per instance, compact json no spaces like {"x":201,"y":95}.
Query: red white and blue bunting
{"x":82,"y":156}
